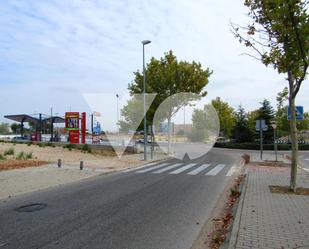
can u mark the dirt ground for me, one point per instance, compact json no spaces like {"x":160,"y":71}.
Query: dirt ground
{"x":73,"y":157}
{"x":32,"y":176}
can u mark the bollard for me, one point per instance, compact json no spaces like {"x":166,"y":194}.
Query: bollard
{"x":59,"y":163}
{"x":81,"y":165}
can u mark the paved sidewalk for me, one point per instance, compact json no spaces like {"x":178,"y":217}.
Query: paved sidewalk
{"x":269,"y":220}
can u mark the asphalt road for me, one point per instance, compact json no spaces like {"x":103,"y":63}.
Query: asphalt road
{"x":155,"y":207}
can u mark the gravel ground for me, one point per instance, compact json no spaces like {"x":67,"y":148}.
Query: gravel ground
{"x":19,"y":181}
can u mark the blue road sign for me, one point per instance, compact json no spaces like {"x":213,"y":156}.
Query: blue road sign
{"x":299,"y":113}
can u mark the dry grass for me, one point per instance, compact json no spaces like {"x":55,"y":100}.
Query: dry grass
{"x":18,"y":164}
{"x":287,"y":190}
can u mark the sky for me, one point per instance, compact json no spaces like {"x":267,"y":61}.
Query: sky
{"x":52,"y":52}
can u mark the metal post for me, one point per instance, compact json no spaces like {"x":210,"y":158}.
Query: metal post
{"x":40,"y":117}
{"x":118,"y":114}
{"x":91,"y":123}
{"x":275,"y":144}
{"x":261,"y":139}
{"x":144,"y":106}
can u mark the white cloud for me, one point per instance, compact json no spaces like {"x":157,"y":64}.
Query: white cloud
{"x":94,"y":46}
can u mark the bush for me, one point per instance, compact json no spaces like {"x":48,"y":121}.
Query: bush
{"x":42,"y":145}
{"x":29,"y":143}
{"x":86,"y":148}
{"x":21,"y":156}
{"x":28,"y":156}
{"x":256,"y":146}
{"x":2,"y":158}
{"x":49,"y":144}
{"x":9,"y":151}
{"x":70,"y":146}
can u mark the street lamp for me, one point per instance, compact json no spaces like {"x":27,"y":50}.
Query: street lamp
{"x":117,"y":96}
{"x":145,"y":42}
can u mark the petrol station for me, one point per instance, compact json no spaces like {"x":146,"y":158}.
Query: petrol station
{"x":75,"y":126}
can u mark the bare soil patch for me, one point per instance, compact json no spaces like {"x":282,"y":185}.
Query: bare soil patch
{"x":287,"y":190}
{"x":272,"y":164}
{"x":18,"y":164}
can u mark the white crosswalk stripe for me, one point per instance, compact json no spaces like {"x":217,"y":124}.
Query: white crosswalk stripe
{"x":199,"y":169}
{"x":182,"y":169}
{"x":152,"y":168}
{"x":215,"y":170}
{"x":167,"y":168}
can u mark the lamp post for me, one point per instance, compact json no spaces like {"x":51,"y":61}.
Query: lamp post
{"x":145,"y":42}
{"x":274,"y":126}
{"x":117,"y":96}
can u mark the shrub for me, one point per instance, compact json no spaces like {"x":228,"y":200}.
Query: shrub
{"x":86,"y":148}
{"x":50,"y":144}
{"x":29,"y":155}
{"x":29,"y":143}
{"x":70,"y":146}
{"x":42,"y":145}
{"x":2,"y":158}
{"x":21,"y":156}
{"x":9,"y":151}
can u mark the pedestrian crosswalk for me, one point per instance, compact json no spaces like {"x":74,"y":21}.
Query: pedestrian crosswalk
{"x":192,"y":169}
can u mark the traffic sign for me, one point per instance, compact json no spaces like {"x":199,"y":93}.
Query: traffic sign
{"x":261,"y":124}
{"x":299,"y":113}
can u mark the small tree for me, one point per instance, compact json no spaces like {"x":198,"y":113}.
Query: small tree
{"x":166,"y":77}
{"x":279,"y":36}
{"x":266,"y":112}
{"x":226,"y":116}
{"x":242,"y":131}
{"x":4,"y":128}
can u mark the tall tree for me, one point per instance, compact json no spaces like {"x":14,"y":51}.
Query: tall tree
{"x":279,"y":35}
{"x":266,"y":112}
{"x":226,"y":116}
{"x":168,"y":76}
{"x":242,"y":132}
{"x":4,"y":128}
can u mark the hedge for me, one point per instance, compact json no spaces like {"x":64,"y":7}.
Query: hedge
{"x":255,"y":146}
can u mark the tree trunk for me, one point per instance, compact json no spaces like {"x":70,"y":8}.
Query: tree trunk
{"x":294,"y":136}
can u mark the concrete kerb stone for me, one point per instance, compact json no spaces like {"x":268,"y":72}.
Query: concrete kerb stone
{"x":231,"y":244}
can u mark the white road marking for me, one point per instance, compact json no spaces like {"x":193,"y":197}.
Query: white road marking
{"x":305,"y":169}
{"x":307,"y":159}
{"x":182,"y":169}
{"x":199,"y":169}
{"x":215,"y":170}
{"x":167,"y":168}
{"x":233,"y":169}
{"x":139,"y":167}
{"x":152,"y":168}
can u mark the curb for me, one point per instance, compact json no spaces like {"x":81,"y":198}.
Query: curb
{"x":236,"y":224}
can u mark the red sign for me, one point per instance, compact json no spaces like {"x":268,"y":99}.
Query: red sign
{"x":72,"y":121}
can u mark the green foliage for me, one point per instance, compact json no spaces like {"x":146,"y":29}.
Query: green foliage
{"x":279,"y":34}
{"x":15,"y":128}
{"x":242,"y":131}
{"x":199,"y":130}
{"x":2,"y":158}
{"x":266,"y":112}
{"x":24,"y":156}
{"x":42,"y":145}
{"x":50,"y":144}
{"x":70,"y":146}
{"x":29,"y":143}
{"x":167,"y":76}
{"x":226,"y":116}
{"x":21,"y":156}
{"x":86,"y":148}
{"x":9,"y":151}
{"x":28,"y":155}
{"x":4,"y":128}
